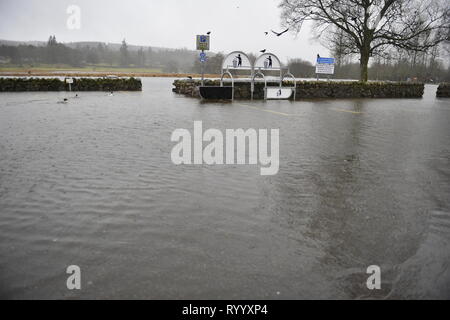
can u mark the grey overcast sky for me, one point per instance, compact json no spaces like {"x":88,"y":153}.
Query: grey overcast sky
{"x":235,"y":24}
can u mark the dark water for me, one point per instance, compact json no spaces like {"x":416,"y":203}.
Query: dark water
{"x":91,"y":183}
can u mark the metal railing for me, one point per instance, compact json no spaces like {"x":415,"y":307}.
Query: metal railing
{"x":290,"y":75}
{"x":252,"y":87}
{"x":226,"y":72}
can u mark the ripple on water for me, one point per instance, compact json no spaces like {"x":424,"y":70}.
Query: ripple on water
{"x":91,"y":183}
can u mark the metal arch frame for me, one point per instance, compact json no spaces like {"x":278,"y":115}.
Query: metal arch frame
{"x":290,"y":75}
{"x":270,"y":69}
{"x":226,"y":72}
{"x":252,"y":88}
{"x":233,"y":68}
{"x":226,"y":69}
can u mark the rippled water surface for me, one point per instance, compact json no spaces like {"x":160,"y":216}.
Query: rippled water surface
{"x":91,"y":183}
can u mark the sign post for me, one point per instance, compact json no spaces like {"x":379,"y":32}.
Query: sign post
{"x":69,"y":81}
{"x":203,"y":44}
{"x":324,"y":66}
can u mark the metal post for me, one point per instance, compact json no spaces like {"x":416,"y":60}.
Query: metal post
{"x":203,"y":71}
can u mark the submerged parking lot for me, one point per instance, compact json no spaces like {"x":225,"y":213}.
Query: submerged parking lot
{"x":91,"y":183}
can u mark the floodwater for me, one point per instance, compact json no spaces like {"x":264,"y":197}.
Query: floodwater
{"x":91,"y":183}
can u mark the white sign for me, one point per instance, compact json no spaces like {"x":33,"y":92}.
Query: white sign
{"x":278,"y":93}
{"x":69,"y":80}
{"x":325,"y":66}
{"x":268,"y":61}
{"x":202,"y":42}
{"x":236,"y":60}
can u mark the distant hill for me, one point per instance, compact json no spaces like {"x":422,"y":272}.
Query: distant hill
{"x":18,"y":43}
{"x":90,"y":44}
{"x":93,"y":53}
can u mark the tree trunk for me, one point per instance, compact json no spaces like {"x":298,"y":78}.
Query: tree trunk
{"x":364,"y":64}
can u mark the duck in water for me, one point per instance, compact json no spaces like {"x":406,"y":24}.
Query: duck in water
{"x":65,"y":100}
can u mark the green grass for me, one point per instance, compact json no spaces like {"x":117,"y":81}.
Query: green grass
{"x":97,"y":68}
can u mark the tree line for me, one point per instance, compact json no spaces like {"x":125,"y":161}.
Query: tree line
{"x":393,"y":64}
{"x":371,"y":28}
{"x":396,"y":65}
{"x":98,"y":54}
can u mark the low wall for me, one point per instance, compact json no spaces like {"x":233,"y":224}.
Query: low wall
{"x":79,"y":84}
{"x":443,"y":91}
{"x":314,"y":89}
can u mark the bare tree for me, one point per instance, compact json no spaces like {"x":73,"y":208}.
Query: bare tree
{"x":339,"y":43}
{"x":372,"y":25}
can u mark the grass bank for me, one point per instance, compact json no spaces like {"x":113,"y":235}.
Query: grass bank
{"x":90,"y":71}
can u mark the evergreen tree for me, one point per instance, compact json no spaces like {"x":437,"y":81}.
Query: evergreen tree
{"x":124,"y":55}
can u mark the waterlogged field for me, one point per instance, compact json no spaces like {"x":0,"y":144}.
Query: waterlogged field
{"x":91,"y":184}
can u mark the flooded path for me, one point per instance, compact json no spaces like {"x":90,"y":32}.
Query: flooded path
{"x":91,"y":183}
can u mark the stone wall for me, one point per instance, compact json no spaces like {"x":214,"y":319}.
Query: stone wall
{"x":315,"y":89}
{"x":79,"y":84}
{"x":443,"y":91}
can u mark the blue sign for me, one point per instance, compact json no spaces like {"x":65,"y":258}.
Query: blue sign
{"x":202,"y":42}
{"x":325,"y":60}
{"x":203,"y":57}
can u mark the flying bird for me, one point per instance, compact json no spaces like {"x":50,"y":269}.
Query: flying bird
{"x":280,"y":33}
{"x":208,"y":33}
{"x":263,"y":51}
{"x":266,"y":33}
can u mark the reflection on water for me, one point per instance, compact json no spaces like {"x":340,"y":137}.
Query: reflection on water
{"x":90,"y":183}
